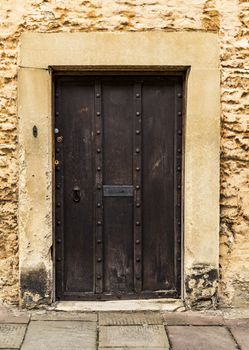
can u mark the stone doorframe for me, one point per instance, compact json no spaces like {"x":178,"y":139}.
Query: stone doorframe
{"x":195,"y":52}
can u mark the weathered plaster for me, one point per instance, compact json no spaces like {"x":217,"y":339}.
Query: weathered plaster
{"x":117,"y":50}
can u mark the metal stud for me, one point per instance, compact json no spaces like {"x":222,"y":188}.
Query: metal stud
{"x":99,"y":187}
{"x":99,"y":241}
{"x":58,"y":204}
{"x":99,"y":168}
{"x":137,"y":187}
{"x":97,"y":95}
{"x":59,"y":139}
{"x":179,"y":94}
{"x":179,"y":259}
{"x":178,"y":241}
{"x":137,"y":95}
{"x":98,"y":205}
{"x":58,"y":223}
{"x":137,"y":241}
{"x":98,"y":150}
{"x":179,"y":187}
{"x":137,"y":150}
{"x":99,"y":277}
{"x":137,"y":259}
{"x":137,"y":223}
{"x":137,"y":205}
{"x":57,"y":150}
{"x":179,"y":223}
{"x":99,"y":223}
{"x":179,"y":113}
{"x":138,"y":277}
{"x":179,"y":132}
{"x":98,"y":114}
{"x":179,"y":150}
{"x":58,"y":168}
{"x":58,"y":241}
{"x":58,"y":186}
{"x":57,"y":114}
{"x":99,"y":259}
{"x":137,"y":132}
{"x":178,"y":204}
{"x":137,"y":169}
{"x":58,"y":259}
{"x":98,"y":132}
{"x":178,"y":168}
{"x":138,"y":113}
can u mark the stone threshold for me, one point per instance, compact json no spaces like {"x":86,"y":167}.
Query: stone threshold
{"x":121,"y":305}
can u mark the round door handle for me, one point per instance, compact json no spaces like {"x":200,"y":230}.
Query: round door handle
{"x":76,"y":194}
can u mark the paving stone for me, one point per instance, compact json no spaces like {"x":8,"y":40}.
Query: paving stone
{"x":60,"y":335}
{"x":129,"y":318}
{"x":64,"y":316}
{"x":240,"y":331}
{"x":132,"y":348}
{"x":133,"y":336}
{"x":11,"y":335}
{"x":200,"y":338}
{"x":13,"y":316}
{"x":191,"y":318}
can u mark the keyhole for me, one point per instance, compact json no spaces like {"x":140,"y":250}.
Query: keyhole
{"x":76,"y":194}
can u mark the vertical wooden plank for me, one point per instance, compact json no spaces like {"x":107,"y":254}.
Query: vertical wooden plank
{"x":137,"y":171}
{"x":159,"y":184}
{"x":74,"y":126}
{"x":118,"y":211}
{"x":98,"y":189}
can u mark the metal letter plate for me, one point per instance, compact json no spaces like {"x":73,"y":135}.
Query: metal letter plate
{"x":118,"y":191}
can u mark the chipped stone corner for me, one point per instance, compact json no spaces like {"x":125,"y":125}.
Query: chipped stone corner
{"x":201,"y":287}
{"x":35,"y":288}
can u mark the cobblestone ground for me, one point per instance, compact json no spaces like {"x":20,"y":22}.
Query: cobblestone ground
{"x":122,"y":330}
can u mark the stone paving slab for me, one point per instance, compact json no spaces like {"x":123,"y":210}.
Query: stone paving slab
{"x":133,"y":336}
{"x":132,"y":348}
{"x":129,"y":318}
{"x":200,"y":338}
{"x":62,"y":335}
{"x":11,"y":335}
{"x":13,"y":316}
{"x":191,"y":318}
{"x":240,"y":331}
{"x":64,"y":316}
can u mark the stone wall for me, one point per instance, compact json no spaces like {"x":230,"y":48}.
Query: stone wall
{"x":228,"y":17}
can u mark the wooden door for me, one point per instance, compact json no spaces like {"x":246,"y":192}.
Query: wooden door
{"x":118,"y":146}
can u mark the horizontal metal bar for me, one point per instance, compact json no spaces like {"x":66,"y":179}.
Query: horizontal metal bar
{"x":118,"y":191}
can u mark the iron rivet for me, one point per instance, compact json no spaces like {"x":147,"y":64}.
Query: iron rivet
{"x":98,"y":150}
{"x":137,"y":259}
{"x":58,"y":259}
{"x":137,"y":169}
{"x":138,"y":113}
{"x":98,"y":205}
{"x":98,"y":168}
{"x":179,"y":187}
{"x":99,"y":223}
{"x":58,"y":168}
{"x":178,"y":241}
{"x":137,"y":132}
{"x":99,"y":241}
{"x":137,"y":187}
{"x":59,"y":139}
{"x":138,"y":277}
{"x":57,"y":113}
{"x":137,"y":150}
{"x":179,"y":150}
{"x":99,"y":187}
{"x":138,"y":205}
{"x":98,"y":132}
{"x":178,"y":204}
{"x":179,"y":223}
{"x":58,"y":223}
{"x":57,"y":94}
{"x":179,"y":132}
{"x":58,"y":240}
{"x":98,"y":277}
{"x":179,"y":259}
{"x":137,"y":95}
{"x":179,"y":94}
{"x":99,"y":259}
{"x":178,"y":168}
{"x":57,"y":150}
{"x":179,"y":113}
{"x":137,"y":241}
{"x":58,"y":186}
{"x":179,"y":276}
{"x":58,"y":204}
{"x":98,"y":113}
{"x":98,"y":95}
{"x":138,"y":223}
{"x":56,"y":131}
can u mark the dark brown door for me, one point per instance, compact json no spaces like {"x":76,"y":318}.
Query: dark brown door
{"x":118,"y":144}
